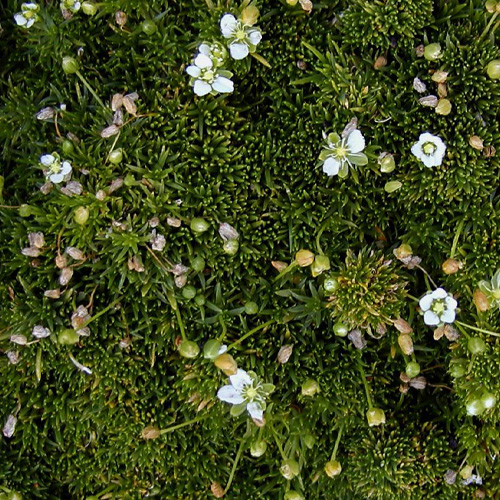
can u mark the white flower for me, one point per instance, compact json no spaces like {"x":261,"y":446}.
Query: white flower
{"x":341,"y":153}
{"x":28,"y":15}
{"x":71,"y":5}
{"x":243,"y":38}
{"x":207,"y":77}
{"x":429,"y":149}
{"x":438,"y":307}
{"x":246,"y":392}
{"x":57,"y":170}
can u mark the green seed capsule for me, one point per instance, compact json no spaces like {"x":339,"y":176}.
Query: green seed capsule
{"x":231,"y":247}
{"x":211,"y":349}
{"x":189,"y":292}
{"x":375,"y":416}
{"x":81,"y":215}
{"x":89,"y":8}
{"x":432,"y":52}
{"x":310,"y":387}
{"x":116,"y":156}
{"x":493,"y":69}
{"x":199,"y":225}
{"x":258,"y":448}
{"x":340,"y":329}
{"x":251,"y":308}
{"x":476,"y":345}
{"x":293,"y":495}
{"x":68,"y":337}
{"x":70,"y":65}
{"x":198,"y":264}
{"x":67,"y":147}
{"x":333,"y":468}
{"x":412,"y":369}
{"x":200,"y":300}
{"x":458,"y":369}
{"x":475,"y":407}
{"x":25,"y":211}
{"x":149,"y":27}
{"x":188,"y":349}
{"x":488,"y":400}
{"x":330,"y":285}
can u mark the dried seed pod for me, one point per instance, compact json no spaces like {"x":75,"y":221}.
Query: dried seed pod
{"x":46,"y":188}
{"x":13,"y":357}
{"x":438,"y":332}
{"x":118,"y":118}
{"x":380,"y":62}
{"x":304,"y":258}
{"x":36,"y":240}
{"x":110,"y":131}
{"x":116,"y":102}
{"x":439,"y":76}
{"x":217,"y":490}
{"x":350,"y":127}
{"x":9,"y":426}
{"x":404,"y":377}
{"x":259,"y":422}
{"x":489,"y":151}
{"x":402,"y":326}
{"x":52,"y":294}
{"x":174,"y":222}
{"x":61,"y":261}
{"x":101,"y":195}
{"x":154,"y":222}
{"x":419,"y":85}
{"x":403,"y":251}
{"x":418,"y":383}
{"x":180,"y":281}
{"x":134,"y":264}
{"x":120,"y":18}
{"x":130,"y":105}
{"x":405,"y":344}
{"x":65,"y":276}
{"x":404,"y":388}
{"x":31,"y":252}
{"x":125,"y":343}
{"x":450,"y":476}
{"x":75,"y":253}
{"x":476,"y":142}
{"x":284,"y":353}
{"x":357,"y":339}
{"x":420,"y":51}
{"x":45,"y":114}
{"x":158,"y":242}
{"x":480,"y":300}
{"x":150,"y":432}
{"x":40,"y":332}
{"x":115,"y":185}
{"x":443,"y":107}
{"x":451,"y":266}
{"x":226,"y":363}
{"x":430,"y":100}
{"x":451,"y":333}
{"x":306,"y":5}
{"x":442,"y":90}
{"x":279,"y":265}
{"x":228,"y":232}
{"x":80,"y":317}
{"x":18,"y":339}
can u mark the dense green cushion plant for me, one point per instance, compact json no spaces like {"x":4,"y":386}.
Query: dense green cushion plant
{"x":209,"y":218}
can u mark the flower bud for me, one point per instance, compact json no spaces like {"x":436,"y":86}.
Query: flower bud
{"x":309,"y":441}
{"x":211,"y":349}
{"x":443,"y":107}
{"x":340,"y":329}
{"x":488,"y":400}
{"x":491,"y":6}
{"x":330,"y":284}
{"x":81,"y":215}
{"x":412,"y":369}
{"x":451,"y":266}
{"x":439,"y":76}
{"x":432,"y":52}
{"x":231,"y":247}
{"x":292,"y":2}
{"x":321,"y":263}
{"x":289,"y":469}
{"x":475,"y":407}
{"x":116,"y":156}
{"x":392,"y":186}
{"x":188,"y":349}
{"x":89,"y":8}
{"x":150,"y":432}
{"x":251,"y":308}
{"x":293,"y":495}
{"x":310,"y":387}
{"x":226,"y":363}
{"x":70,"y":65}
{"x":200,"y":300}
{"x":149,"y":27}
{"x":68,"y":337}
{"x":67,"y":147}
{"x":476,"y":345}
{"x":199,"y":225}
{"x":375,"y":416}
{"x":304,"y":258}
{"x":333,"y":468}
{"x":493,"y":69}
{"x":480,"y":300}
{"x":258,"y":448}
{"x":249,"y":15}
{"x":387,"y":163}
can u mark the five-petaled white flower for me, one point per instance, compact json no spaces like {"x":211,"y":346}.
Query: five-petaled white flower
{"x":341,"y":153}
{"x":56,"y":170}
{"x":28,"y":15}
{"x":71,"y":5}
{"x":243,"y":38}
{"x":429,"y":149}
{"x":207,"y":76}
{"x":438,"y":307}
{"x":246,"y":392}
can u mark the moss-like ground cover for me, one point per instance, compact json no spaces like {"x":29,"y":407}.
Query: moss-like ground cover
{"x":294,"y":213}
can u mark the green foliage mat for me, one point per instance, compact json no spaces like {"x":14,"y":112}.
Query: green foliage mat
{"x":113,"y":403}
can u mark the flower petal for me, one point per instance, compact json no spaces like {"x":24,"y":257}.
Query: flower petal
{"x":238,"y":50}
{"x":416,"y":149}
{"x":66,"y":168}
{"x":355,"y":141}
{"x":228,"y":25}
{"x":222,"y":84}
{"x":431,"y":318}
{"x":204,"y":48}
{"x":439,"y":293}
{"x":254,"y":36}
{"x":56,"y":178}
{"x":430,"y":161}
{"x":20,"y":20}
{"x":202,"y":88}
{"x":193,"y":71}
{"x":448,"y":316}
{"x":230,"y":394}
{"x":255,"y":410}
{"x":426,"y":302}
{"x":30,"y":22}
{"x":47,"y":160}
{"x":331,"y":166}
{"x":241,"y":379}
{"x":451,"y":303}
{"x":222,"y":349}
{"x":203,"y":61}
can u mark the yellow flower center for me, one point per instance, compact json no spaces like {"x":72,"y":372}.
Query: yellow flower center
{"x":240,"y":34}
{"x":428,"y":148}
{"x":438,"y":306}
{"x":341,"y":151}
{"x":251,"y":392}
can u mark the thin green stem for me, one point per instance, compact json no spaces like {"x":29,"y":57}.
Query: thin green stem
{"x":365,"y":383}
{"x":90,"y":89}
{"x":251,"y":332}
{"x":224,"y":329}
{"x":235,"y":464}
{"x":412,"y":297}
{"x":179,"y":321}
{"x":488,"y":26}
{"x":476,"y":329}
{"x":427,"y":276}
{"x":100,"y":313}
{"x":293,"y":265}
{"x":318,"y":236}
{"x":337,"y":442}
{"x":278,"y":444}
{"x":184,"y":424}
{"x":464,"y":333}
{"x":455,"y":239}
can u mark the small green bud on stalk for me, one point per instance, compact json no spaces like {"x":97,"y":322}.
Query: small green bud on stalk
{"x":188,"y":349}
{"x":476,"y":345}
{"x":189,"y":292}
{"x":251,"y":308}
{"x":231,"y":247}
{"x":26,"y":211}
{"x":412,"y":369}
{"x":149,"y":27}
{"x":387,"y":163}
{"x":198,"y":264}
{"x":320,"y":264}
{"x":392,"y":186}
{"x":443,"y":107}
{"x":68,"y":337}
{"x":293,"y":495}
{"x":375,"y":416}
{"x":290,"y":469}
{"x":340,"y":329}
{"x":493,"y":69}
{"x":70,"y":65}
{"x":200,"y":300}
{"x":432,"y":52}
{"x":403,"y":251}
{"x":258,"y":448}
{"x":199,"y":225}
{"x":67,"y":147}
{"x":475,"y":407}
{"x":333,"y":468}
{"x":491,"y":6}
{"x":81,"y":215}
{"x":330,"y":285}
{"x":211,"y":349}
{"x":116,"y":156}
{"x":89,"y":8}
{"x":488,"y":400}
{"x":304,"y":258}
{"x":309,"y":441}
{"x":458,"y":368}
{"x":310,"y":387}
